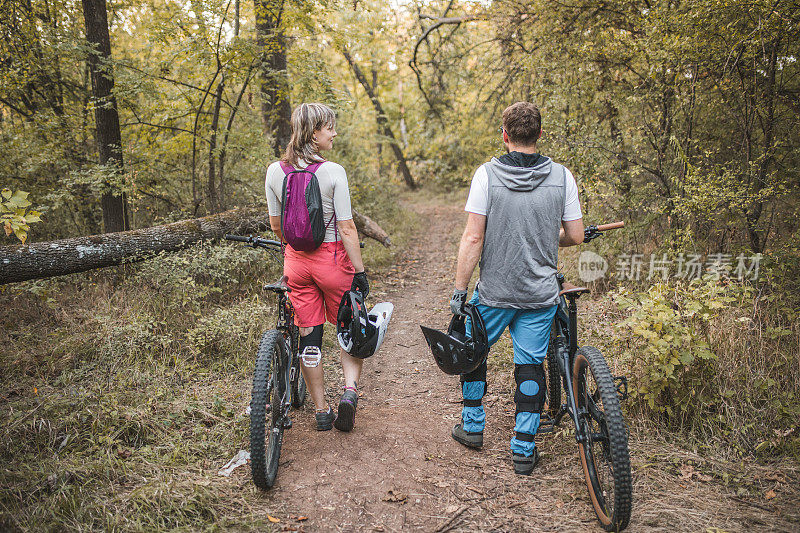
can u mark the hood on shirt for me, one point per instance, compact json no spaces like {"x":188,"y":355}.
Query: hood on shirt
{"x":522,"y":178}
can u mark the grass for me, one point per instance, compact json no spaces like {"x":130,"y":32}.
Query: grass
{"x":125,"y":391}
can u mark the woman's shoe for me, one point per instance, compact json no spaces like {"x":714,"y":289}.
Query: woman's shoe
{"x":468,"y":439}
{"x":325,"y":419}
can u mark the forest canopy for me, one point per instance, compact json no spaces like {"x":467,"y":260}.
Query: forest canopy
{"x":679,"y":117}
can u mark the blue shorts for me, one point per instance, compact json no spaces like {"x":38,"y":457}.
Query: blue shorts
{"x":529,"y":328}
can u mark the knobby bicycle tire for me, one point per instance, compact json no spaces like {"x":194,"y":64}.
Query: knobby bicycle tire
{"x":605,"y":458}
{"x":269,"y":384}
{"x":553,"y":380}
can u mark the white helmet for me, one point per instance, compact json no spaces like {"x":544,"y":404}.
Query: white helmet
{"x":381,"y":314}
{"x":361,"y":335}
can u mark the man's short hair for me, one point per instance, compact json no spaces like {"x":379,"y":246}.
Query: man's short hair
{"x":523,"y":123}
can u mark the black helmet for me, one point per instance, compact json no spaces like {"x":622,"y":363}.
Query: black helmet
{"x":455,"y":353}
{"x":357,"y":332}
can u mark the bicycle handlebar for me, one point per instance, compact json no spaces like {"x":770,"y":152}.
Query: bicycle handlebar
{"x":592,"y":232}
{"x":612,"y":225}
{"x":255,"y":242}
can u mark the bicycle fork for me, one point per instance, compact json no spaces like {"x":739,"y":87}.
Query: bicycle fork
{"x":289,"y":373}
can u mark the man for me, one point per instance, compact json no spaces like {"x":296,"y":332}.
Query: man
{"x":521,"y":207}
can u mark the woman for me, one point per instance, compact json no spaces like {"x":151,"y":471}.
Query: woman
{"x":319,"y":278}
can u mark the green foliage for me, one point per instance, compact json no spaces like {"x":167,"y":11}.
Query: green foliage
{"x":14,"y":215}
{"x":226,"y":329}
{"x":713,"y":357}
{"x":669,"y":351}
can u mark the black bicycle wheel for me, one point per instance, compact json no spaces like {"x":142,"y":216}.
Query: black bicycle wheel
{"x":266,"y":424}
{"x":298,"y":384}
{"x":605,"y":457}
{"x":553,"y":380}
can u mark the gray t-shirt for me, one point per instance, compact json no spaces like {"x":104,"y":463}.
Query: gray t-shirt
{"x":333,"y":188}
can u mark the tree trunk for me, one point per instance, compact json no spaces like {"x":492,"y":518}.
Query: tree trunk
{"x":758,"y":238}
{"x":223,"y":150}
{"x":214,"y":203}
{"x":68,"y":256}
{"x":384,"y":123}
{"x":109,"y":140}
{"x":276,"y":109}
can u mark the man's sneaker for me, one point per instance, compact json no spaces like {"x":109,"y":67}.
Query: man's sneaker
{"x":525,"y":465}
{"x":325,"y":419}
{"x":346,"y":417}
{"x":468,"y":439}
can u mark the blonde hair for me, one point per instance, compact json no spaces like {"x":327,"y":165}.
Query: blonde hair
{"x":306,"y":119}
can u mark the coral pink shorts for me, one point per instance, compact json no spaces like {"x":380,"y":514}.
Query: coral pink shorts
{"x":318,"y":280}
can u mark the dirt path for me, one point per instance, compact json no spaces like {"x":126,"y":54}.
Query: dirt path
{"x":399,"y":470}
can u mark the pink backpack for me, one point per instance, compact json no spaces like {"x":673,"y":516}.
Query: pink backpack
{"x":302,"y":224}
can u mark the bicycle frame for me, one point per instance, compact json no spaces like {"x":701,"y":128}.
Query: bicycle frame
{"x":565,"y":343}
{"x":284,"y":323}
{"x":564,"y":337}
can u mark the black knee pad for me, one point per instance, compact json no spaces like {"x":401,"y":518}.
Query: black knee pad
{"x":312,"y":339}
{"x":479,"y":374}
{"x":526,"y":402}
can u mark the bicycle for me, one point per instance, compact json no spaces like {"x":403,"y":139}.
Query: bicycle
{"x":593,"y":398}
{"x":278,"y":383}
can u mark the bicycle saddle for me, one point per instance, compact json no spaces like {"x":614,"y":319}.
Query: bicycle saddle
{"x":568,"y":289}
{"x":278,"y":286}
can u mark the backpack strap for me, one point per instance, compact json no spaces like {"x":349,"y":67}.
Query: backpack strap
{"x":313,"y":167}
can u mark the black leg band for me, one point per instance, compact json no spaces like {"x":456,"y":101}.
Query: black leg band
{"x":526,"y":437}
{"x":479,"y":374}
{"x":312,"y":339}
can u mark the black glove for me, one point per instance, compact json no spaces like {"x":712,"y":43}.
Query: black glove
{"x":591,"y":233}
{"x":457,"y":301}
{"x":360,"y":283}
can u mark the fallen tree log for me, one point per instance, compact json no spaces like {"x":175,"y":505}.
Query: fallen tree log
{"x":69,"y":256}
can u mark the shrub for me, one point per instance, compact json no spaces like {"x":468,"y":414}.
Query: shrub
{"x":670,"y":353}
{"x":709,"y":356}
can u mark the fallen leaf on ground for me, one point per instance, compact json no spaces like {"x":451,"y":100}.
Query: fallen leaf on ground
{"x":780,"y":477}
{"x":301,"y":518}
{"x":393,"y":496}
{"x":273,"y":519}
{"x":770,"y":494}
{"x":686,"y":472}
